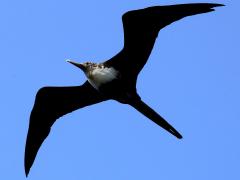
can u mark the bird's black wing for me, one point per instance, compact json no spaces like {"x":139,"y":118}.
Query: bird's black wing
{"x":141,"y":29}
{"x":50,"y":104}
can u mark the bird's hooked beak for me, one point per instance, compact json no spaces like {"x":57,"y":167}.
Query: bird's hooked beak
{"x":79,"y":65}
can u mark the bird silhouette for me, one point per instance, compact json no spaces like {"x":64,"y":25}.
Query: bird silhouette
{"x":115,"y":78}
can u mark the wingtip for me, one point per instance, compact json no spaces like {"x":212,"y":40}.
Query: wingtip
{"x":216,"y":5}
{"x":211,"y":5}
{"x":27,"y":163}
{"x":27,"y":171}
{"x":27,"y":167}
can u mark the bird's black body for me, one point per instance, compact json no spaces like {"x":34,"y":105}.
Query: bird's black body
{"x":114,"y":79}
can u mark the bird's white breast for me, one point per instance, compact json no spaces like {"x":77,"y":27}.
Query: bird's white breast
{"x":101,"y":76}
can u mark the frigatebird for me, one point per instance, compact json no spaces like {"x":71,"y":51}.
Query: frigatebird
{"x":115,"y":78}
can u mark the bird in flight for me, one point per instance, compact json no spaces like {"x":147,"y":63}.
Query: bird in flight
{"x":115,"y":78}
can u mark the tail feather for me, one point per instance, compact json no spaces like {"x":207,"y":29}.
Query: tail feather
{"x":151,"y":114}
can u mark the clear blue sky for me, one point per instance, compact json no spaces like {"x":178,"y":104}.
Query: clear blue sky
{"x":192,"y":79}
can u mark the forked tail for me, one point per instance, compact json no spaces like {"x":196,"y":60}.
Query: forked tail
{"x":151,"y":114}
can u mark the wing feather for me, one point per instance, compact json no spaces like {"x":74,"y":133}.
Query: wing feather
{"x":50,"y":104}
{"x":141,"y":28}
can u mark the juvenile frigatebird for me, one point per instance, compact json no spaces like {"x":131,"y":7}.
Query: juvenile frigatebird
{"x":114,"y":79}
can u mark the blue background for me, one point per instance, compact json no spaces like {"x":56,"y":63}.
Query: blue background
{"x":192,"y":79}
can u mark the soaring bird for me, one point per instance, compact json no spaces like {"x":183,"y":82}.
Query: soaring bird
{"x":115,"y":78}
